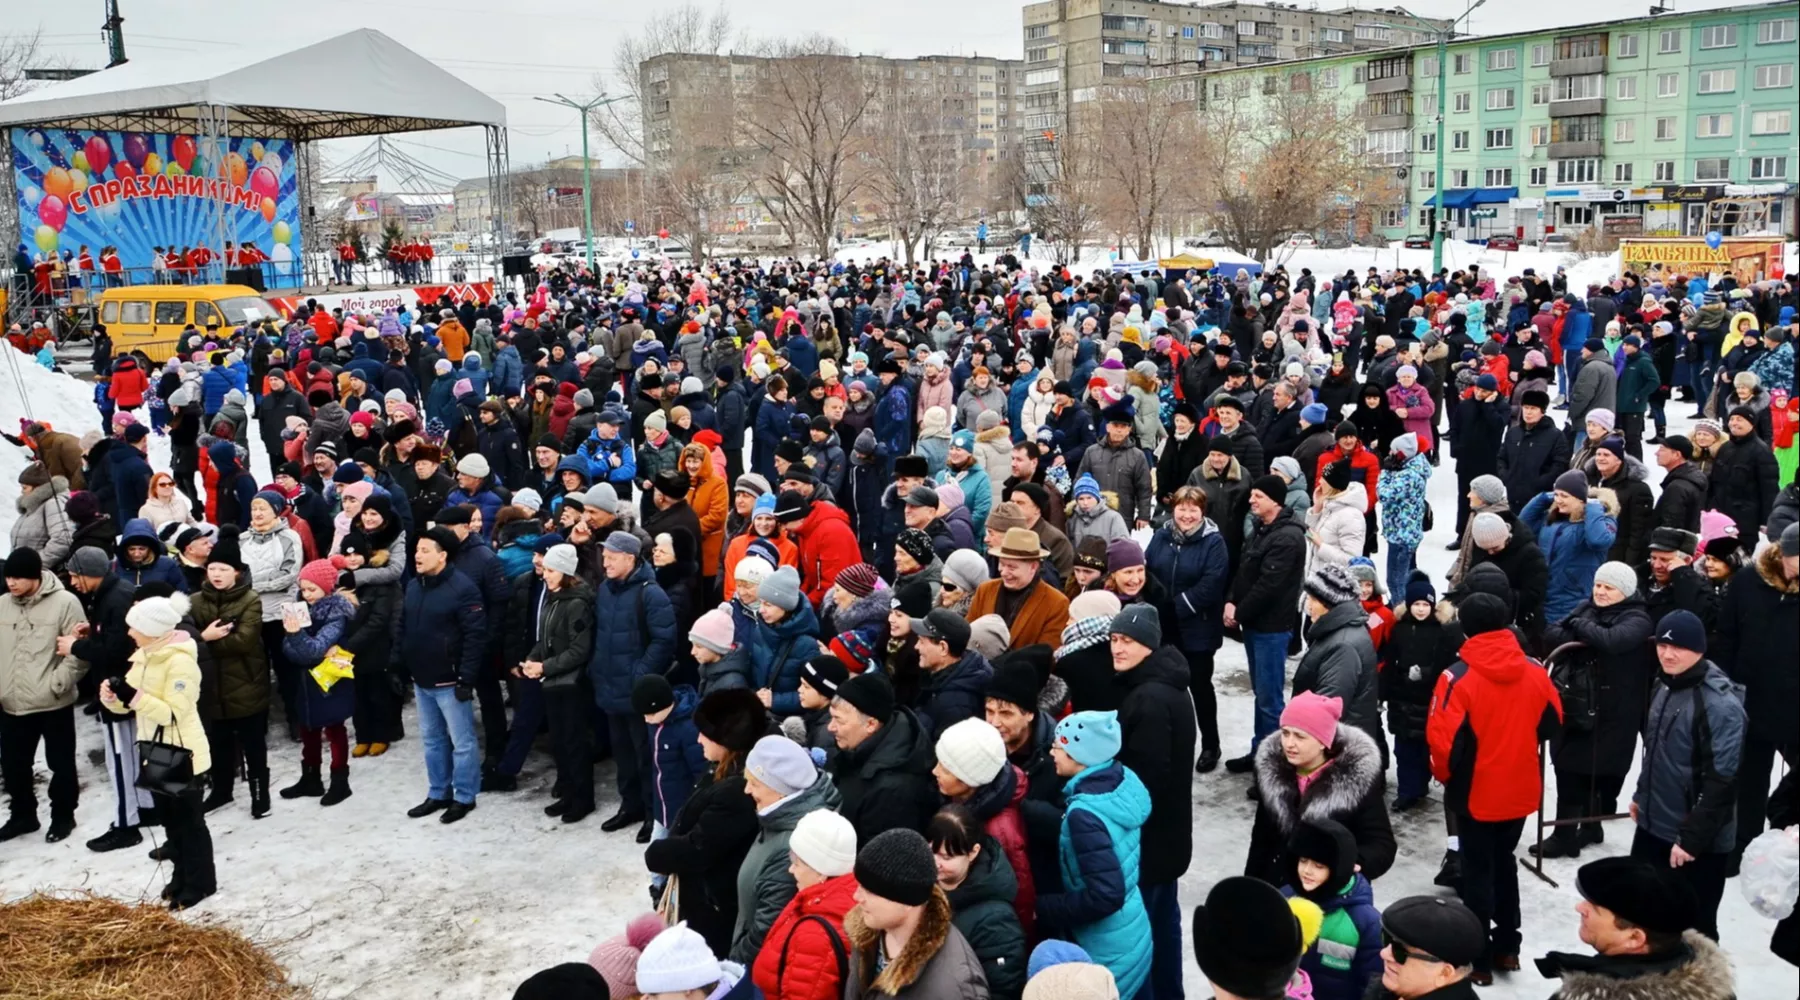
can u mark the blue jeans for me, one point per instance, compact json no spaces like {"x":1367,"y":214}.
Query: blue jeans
{"x":452,"y":751}
{"x":1163,"y":905}
{"x":1412,"y":761}
{"x":1268,"y":676}
{"x":528,"y":717}
{"x":1399,"y":567}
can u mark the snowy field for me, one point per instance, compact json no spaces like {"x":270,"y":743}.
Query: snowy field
{"x":359,"y":901}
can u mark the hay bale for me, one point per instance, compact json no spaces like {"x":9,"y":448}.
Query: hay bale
{"x":87,"y":947}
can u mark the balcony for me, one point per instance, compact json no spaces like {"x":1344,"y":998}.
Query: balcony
{"x":1389,"y":84}
{"x":1576,"y":108}
{"x":1574,"y":150}
{"x":1578,"y":66}
{"x":1382,"y":123}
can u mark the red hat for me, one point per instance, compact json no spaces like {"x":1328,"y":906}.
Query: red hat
{"x":320,"y":573}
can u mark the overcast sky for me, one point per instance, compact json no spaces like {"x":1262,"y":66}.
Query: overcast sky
{"x":558,"y":45}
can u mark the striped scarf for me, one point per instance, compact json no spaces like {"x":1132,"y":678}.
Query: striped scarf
{"x":1087,"y":632}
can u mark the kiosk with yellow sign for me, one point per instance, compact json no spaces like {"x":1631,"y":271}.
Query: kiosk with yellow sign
{"x":1749,"y":258}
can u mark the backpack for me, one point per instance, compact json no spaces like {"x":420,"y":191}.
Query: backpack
{"x":1572,"y":671}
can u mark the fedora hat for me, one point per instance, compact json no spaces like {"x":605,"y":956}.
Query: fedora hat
{"x":1021,"y":543}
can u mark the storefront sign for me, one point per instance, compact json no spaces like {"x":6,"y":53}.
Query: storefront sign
{"x":1622,"y":225}
{"x":375,"y":302}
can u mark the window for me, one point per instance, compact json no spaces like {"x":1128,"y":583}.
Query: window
{"x":1578,"y":88}
{"x":1121,"y":47}
{"x":1539,"y":176}
{"x":1499,"y":138}
{"x":1393,"y":218}
{"x":1666,"y":129}
{"x":1718,"y":36}
{"x":1626,"y":88}
{"x":1268,"y":84}
{"x":1328,"y":78}
{"x":1459,"y":63}
{"x":1625,"y":130}
{"x":1359,"y":74}
{"x":1540,"y":55}
{"x":1459,"y":140}
{"x":1540,"y":94}
{"x":1427,"y":180}
{"x":1039,"y":54}
{"x":1387,"y":69}
{"x":171,"y":312}
{"x":1668,"y":84}
{"x":1664,"y":171}
{"x":1035,"y":77}
{"x":1497,"y":177}
{"x":1581,"y":47}
{"x":1768,"y":168}
{"x":1712,"y":168}
{"x":1718,"y":81}
{"x":1585,"y":128}
{"x":1540,"y":135}
{"x":1388,"y":145}
{"x":1621,"y":173}
{"x":1428,"y":105}
{"x":1502,"y":59}
{"x":1669,"y":41}
{"x":205,"y":312}
{"x":1037,"y":31}
{"x":1770,"y":32}
{"x":1577,"y":215}
{"x":1187,"y":31}
{"x":1460,"y":102}
{"x":134,"y":312}
{"x":1131,"y":25}
{"x":1627,"y":47}
{"x":1584,"y":171}
{"x":1373,"y":33}
{"x":1771,"y":122}
{"x":1427,"y":142}
{"x":1299,"y":83}
{"x":1500,"y":99}
{"x":1247,"y":27}
{"x":1459,"y":178}
{"x":1716,"y":126}
{"x":1428,"y":65}
{"x":1774,"y":75}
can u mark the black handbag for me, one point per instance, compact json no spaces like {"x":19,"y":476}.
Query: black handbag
{"x":164,"y":768}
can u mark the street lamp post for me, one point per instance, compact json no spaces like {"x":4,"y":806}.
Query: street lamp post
{"x":1437,"y":177}
{"x":587,"y":167}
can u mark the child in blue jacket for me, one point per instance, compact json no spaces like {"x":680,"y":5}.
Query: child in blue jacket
{"x":676,"y":760}
{"x":1322,"y":869}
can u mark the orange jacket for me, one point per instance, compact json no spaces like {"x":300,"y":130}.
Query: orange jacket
{"x":711,"y":501}
{"x":790,"y":554}
{"x":455,"y":340}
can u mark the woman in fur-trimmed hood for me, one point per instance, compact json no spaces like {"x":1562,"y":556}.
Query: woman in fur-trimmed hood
{"x":1346,"y":788}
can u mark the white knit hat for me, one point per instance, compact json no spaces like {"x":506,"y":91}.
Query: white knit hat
{"x":1619,"y":576}
{"x":972,"y":751}
{"x":157,"y":616}
{"x":1490,"y":530}
{"x":753,"y":569}
{"x":826,"y":841}
{"x":677,"y":960}
{"x":1073,"y":981}
{"x":563,"y":559}
{"x":473,"y":464}
{"x":529,"y":499}
{"x":1093,"y":604}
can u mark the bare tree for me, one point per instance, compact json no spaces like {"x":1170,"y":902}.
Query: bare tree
{"x":684,"y":29}
{"x":1062,"y":192}
{"x":805,"y":123}
{"x":917,"y":177}
{"x":1152,"y":139}
{"x":529,"y":203}
{"x":20,"y":52}
{"x":1278,"y":162}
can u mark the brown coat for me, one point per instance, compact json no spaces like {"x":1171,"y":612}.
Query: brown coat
{"x":1041,"y":619}
{"x":61,"y":454}
{"x":936,"y":964}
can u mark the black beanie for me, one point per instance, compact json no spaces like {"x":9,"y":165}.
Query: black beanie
{"x":1482,"y":613}
{"x":651,"y":694}
{"x":898,"y":865}
{"x":870,"y":694}
{"x":24,"y":564}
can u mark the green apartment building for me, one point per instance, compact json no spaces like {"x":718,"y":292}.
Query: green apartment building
{"x":1668,"y":125}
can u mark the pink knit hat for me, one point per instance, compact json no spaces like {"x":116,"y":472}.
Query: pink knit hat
{"x":1315,"y":715}
{"x":320,"y":573}
{"x":715,"y":631}
{"x":616,"y":958}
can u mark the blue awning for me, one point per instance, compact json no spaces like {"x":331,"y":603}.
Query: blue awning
{"x":1465,"y":197}
{"x":1453,"y":198}
{"x":1492,"y":196}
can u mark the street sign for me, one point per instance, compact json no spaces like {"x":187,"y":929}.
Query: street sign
{"x":1620,"y":194}
{"x":630,"y":226}
{"x":1484,"y":213}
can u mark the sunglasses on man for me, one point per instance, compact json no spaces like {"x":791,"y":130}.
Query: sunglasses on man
{"x":1403,"y":953}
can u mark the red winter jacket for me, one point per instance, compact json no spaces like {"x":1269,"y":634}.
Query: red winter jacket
{"x":128,"y":384}
{"x":827,"y":548}
{"x":1007,"y":828}
{"x":1489,"y":712}
{"x":1361,"y":460}
{"x":797,"y":960}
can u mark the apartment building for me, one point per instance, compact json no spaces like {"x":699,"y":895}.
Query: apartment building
{"x":1075,"y":47}
{"x":1669,"y":125}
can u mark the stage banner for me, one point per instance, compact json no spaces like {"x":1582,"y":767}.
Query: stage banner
{"x":140,"y":190}
{"x":376,"y":301}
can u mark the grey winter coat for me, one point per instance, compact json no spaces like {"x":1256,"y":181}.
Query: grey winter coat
{"x":33,"y":678}
{"x":972,"y":403}
{"x":1340,"y":663}
{"x":1693,"y":737}
{"x":936,"y":964}
{"x":1596,"y":388}
{"x":1125,"y":472}
{"x":764,"y":884}
{"x":43,"y":525}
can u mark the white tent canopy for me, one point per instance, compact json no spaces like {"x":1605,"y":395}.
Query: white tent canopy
{"x":357,"y":83}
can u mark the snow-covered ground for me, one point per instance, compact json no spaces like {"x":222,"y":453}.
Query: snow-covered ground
{"x":359,"y":901}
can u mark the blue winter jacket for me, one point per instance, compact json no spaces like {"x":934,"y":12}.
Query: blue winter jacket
{"x":955,"y":693}
{"x":772,"y":421}
{"x":224,"y":457}
{"x":131,"y":475}
{"x":1098,"y":848}
{"x":803,"y":354}
{"x":478,"y":562}
{"x":1194,"y":571}
{"x":484,"y":499}
{"x":599,"y":451}
{"x":213,"y":386}
{"x":978,"y":495}
{"x":778,"y":651}
{"x":508,"y":376}
{"x":1015,"y":405}
{"x":139,"y":531}
{"x":1335,"y":974}
{"x":676,"y":761}
{"x":443,"y":630}
{"x":1578,"y":325}
{"x":634,"y":635}
{"x":332,"y":616}
{"x":440,"y":400}
{"x":732,"y":413}
{"x":471,"y":369}
{"x":1573,"y":550}
{"x":893,"y":417}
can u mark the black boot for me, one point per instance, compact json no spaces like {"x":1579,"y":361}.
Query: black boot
{"x":116,"y":838}
{"x":1557,"y":845}
{"x":18,"y":826}
{"x":259,"y":794}
{"x":220,"y":793}
{"x":61,"y":825}
{"x":622,"y":819}
{"x":340,"y":787}
{"x":1209,"y":759}
{"x":1450,"y":872}
{"x":308,"y":786}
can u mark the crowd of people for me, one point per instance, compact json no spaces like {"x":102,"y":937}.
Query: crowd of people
{"x":895,"y":598}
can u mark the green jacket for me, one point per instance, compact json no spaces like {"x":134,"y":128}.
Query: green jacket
{"x":239,"y":661}
{"x":1637,"y":383}
{"x":33,"y":678}
{"x":764,"y":883}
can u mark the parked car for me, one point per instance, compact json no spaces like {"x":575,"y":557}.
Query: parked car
{"x":1298,"y":240}
{"x":1210,"y":238}
{"x":1503,"y":242}
{"x":1557,"y":243}
{"x":1418,"y":241}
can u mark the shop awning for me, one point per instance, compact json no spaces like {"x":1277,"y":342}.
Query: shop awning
{"x":1465,"y":197}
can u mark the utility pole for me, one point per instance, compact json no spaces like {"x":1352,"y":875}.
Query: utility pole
{"x":114,"y":31}
{"x":587,"y":166}
{"x":1442,"y":214}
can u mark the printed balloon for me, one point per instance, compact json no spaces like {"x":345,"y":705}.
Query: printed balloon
{"x":79,"y":160}
{"x":283,"y":234}
{"x":58,"y":182}
{"x":137,"y":148}
{"x":280,"y":254}
{"x":99,"y":154}
{"x":173,"y":170}
{"x":662,"y":234}
{"x":124,"y":171}
{"x":53,"y":212}
{"x":272,"y":160}
{"x":32,"y":196}
{"x":264,"y":182}
{"x":78,"y":180}
{"x":268,"y":207}
{"x":182,"y":150}
{"x":38,"y":138}
{"x":256,"y":151}
{"x":46,"y":239}
{"x":235,"y":169}
{"x":152,"y":165}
